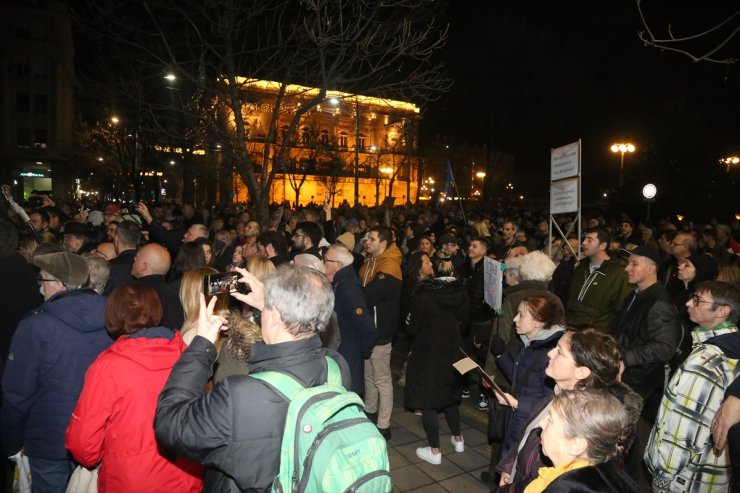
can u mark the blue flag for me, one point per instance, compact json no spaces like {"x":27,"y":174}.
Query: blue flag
{"x":449,"y":180}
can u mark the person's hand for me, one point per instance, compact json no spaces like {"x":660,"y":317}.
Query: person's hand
{"x":327,"y":211}
{"x":143,"y":211}
{"x":512,"y":401}
{"x":47,"y":202}
{"x":84,"y":214}
{"x":209,"y":325}
{"x":621,"y":371}
{"x":727,"y":415}
{"x":256,"y":297}
{"x":505,"y":479}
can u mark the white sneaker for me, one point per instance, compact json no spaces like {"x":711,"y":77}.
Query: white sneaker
{"x":459,"y":446}
{"x":425,"y":453}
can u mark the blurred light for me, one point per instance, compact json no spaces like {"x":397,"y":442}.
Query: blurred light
{"x":679,"y":217}
{"x":172,"y":162}
{"x":114,"y":119}
{"x":605,"y":195}
{"x":100,"y":159}
{"x":481,"y":174}
{"x":521,"y":197}
{"x":623,"y":147}
{"x":737,"y":216}
{"x":170,"y":77}
{"x":333,"y":101}
{"x":649,"y":191}
{"x":15,"y":182}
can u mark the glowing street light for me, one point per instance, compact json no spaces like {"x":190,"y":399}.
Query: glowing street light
{"x":621,"y":149}
{"x":729,"y":161}
{"x":114,"y":120}
{"x":171,"y":77}
{"x":649,"y":191}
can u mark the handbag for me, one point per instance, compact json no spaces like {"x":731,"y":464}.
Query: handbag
{"x":496,"y":421}
{"x":83,"y":480}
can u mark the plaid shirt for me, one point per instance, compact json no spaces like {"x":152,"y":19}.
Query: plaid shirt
{"x":680,"y":454}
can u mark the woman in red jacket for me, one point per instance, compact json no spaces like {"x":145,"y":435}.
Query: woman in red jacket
{"x":112,"y":421}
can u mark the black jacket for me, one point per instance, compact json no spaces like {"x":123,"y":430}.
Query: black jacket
{"x":607,"y":477}
{"x":356,"y":327}
{"x":120,"y":271}
{"x":648,"y":329}
{"x":439,"y":311}
{"x":172,"y":314}
{"x":235,"y":430}
{"x":473,"y":278}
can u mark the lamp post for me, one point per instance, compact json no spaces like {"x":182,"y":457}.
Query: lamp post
{"x":387,"y":171}
{"x":649,"y":192}
{"x":621,"y":148}
{"x":482,"y":176}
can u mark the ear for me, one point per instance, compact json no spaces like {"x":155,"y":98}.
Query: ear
{"x":582,"y":373}
{"x":576,"y":447}
{"x":723,"y":311}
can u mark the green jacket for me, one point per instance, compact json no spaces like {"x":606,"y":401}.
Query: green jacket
{"x":596,"y":297}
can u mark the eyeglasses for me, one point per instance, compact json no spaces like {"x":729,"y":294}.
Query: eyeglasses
{"x":696,"y":300}
{"x":673,"y":243}
{"x":296,"y":235}
{"x":41,"y":279}
{"x":331,"y":260}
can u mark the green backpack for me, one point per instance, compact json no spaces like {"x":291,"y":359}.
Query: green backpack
{"x":328,"y":444}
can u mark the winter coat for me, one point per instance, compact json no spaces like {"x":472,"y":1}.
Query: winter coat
{"x":381,"y":276}
{"x":649,"y":332}
{"x":356,"y":328}
{"x":439,"y":311}
{"x":20,"y":294}
{"x":235,"y":430}
{"x":473,"y":278}
{"x":607,"y":477}
{"x":113,"y":418}
{"x":120,"y":270}
{"x":49,"y":355}
{"x":524,"y":461}
{"x":596,"y":297}
{"x":173,"y":316}
{"x":529,"y":384}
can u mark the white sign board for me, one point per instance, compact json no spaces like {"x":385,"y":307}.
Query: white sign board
{"x":493,"y":282}
{"x":564,"y":161}
{"x":564,"y":196}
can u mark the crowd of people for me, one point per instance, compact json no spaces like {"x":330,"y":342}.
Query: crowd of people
{"x":615,"y":354}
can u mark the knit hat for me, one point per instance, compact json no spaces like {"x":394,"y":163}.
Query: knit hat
{"x":447,"y":238}
{"x":706,"y":267}
{"x":348,"y":240}
{"x":67,"y":267}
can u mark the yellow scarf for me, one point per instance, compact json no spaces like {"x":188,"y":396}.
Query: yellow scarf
{"x":549,"y":474}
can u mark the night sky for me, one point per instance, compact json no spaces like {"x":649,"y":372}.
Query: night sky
{"x":535,"y":75}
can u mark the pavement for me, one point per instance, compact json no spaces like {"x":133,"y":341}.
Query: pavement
{"x":459,"y":472}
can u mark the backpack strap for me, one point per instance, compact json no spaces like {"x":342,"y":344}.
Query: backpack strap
{"x":289,"y":386}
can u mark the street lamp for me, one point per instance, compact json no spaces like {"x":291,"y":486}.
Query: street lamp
{"x":387,"y":171}
{"x":621,"y":149}
{"x":729,"y":161}
{"x":649,"y":191}
{"x":114,"y":120}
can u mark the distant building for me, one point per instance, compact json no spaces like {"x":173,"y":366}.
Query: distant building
{"x":346,"y":131}
{"x":37,"y":95}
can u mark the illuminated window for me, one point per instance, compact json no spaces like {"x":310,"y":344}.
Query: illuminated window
{"x":324,"y":138}
{"x":361,"y":141}
{"x":284,"y":132}
{"x":343,"y":141}
{"x":305,"y":136}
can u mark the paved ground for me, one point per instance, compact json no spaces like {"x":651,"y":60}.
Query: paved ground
{"x":458,"y":472}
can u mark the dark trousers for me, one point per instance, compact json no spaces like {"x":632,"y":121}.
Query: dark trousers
{"x":431,"y":423}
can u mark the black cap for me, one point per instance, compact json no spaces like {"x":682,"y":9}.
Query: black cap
{"x":645,"y":251}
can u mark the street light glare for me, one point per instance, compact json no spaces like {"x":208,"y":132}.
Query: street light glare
{"x":615,"y":148}
{"x":630,"y":148}
{"x":114,"y":119}
{"x":170,"y":77}
{"x":334,"y":101}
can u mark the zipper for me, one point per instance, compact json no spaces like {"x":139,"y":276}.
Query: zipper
{"x":298,"y":431}
{"x":365,"y":479}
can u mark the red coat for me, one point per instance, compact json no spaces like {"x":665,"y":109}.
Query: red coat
{"x":114,"y":417}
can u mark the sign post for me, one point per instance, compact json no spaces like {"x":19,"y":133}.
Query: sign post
{"x":565,"y":190}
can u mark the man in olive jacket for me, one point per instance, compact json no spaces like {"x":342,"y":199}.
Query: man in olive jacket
{"x":599,"y":286}
{"x":236,"y":429}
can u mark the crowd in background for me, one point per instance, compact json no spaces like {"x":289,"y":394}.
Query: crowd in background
{"x":618,"y":364}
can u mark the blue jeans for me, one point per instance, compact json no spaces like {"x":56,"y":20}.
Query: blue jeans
{"x":50,"y":475}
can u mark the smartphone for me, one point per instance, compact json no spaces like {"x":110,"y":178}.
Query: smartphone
{"x":222,"y":283}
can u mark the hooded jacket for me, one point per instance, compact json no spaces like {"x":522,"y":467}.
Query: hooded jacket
{"x":382,"y":280}
{"x":113,"y":417}
{"x":681,"y":450}
{"x":439,"y":311}
{"x":49,"y":354}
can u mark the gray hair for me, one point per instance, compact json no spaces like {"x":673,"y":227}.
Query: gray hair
{"x":536,"y":266}
{"x":343,"y":254}
{"x":302,"y":296}
{"x":310,"y":261}
{"x":99,"y":272}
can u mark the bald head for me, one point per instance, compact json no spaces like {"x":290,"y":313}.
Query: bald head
{"x":106,"y":251}
{"x":152,"y":259}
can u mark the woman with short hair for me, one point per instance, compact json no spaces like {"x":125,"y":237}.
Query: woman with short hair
{"x":112,"y":422}
{"x":583,"y":435}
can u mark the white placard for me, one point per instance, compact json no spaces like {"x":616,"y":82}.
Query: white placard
{"x":564,"y":161}
{"x":564,"y":196}
{"x":493,"y":281}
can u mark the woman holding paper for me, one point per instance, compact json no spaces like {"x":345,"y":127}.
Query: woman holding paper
{"x":439,"y":310}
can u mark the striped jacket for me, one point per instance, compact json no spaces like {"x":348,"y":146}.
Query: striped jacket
{"x":680,"y":454}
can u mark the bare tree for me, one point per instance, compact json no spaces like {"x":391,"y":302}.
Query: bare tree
{"x":218,"y":47}
{"x":699,"y":45}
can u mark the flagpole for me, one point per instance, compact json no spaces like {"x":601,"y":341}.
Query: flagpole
{"x":450,"y":180}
